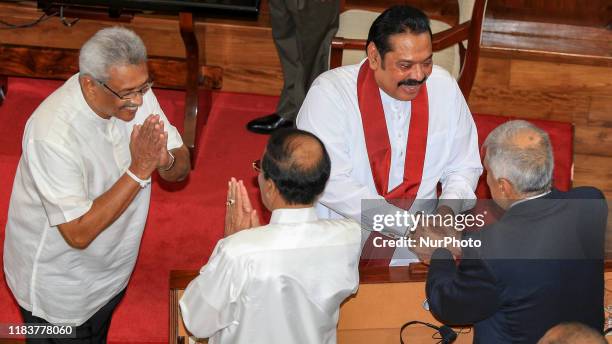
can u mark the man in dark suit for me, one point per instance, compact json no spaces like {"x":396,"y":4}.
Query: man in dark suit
{"x":540,"y":264}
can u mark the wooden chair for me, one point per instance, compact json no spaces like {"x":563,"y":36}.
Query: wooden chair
{"x":456,"y":43}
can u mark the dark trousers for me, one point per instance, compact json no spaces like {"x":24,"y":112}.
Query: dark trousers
{"x":93,"y":331}
{"x":302,"y":32}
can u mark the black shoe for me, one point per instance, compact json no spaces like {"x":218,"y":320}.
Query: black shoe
{"x":267,"y":124}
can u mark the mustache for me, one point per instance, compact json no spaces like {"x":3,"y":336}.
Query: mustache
{"x":412,"y":82}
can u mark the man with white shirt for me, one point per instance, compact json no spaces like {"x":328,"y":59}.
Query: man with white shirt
{"x":280,"y":283}
{"x":82,"y":188}
{"x":395,"y":126}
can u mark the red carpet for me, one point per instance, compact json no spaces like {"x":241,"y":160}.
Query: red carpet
{"x":184,"y":225}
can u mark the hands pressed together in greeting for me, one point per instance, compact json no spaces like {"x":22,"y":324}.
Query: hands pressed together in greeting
{"x":239,"y":212}
{"x":148,"y":144}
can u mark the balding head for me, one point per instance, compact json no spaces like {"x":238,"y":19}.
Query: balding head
{"x":521,"y":153}
{"x":298,"y":164}
{"x":572,"y":333}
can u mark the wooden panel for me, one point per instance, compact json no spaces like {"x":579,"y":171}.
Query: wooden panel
{"x":590,"y":170}
{"x":443,"y":10}
{"x":244,"y":48}
{"x":590,"y":45}
{"x":259,"y":81}
{"x":518,"y":102}
{"x":580,"y":12}
{"x":412,"y":334}
{"x":249,"y":58}
{"x":593,"y":140}
{"x":493,"y":72}
{"x":562,"y":78}
{"x":160,"y":33}
{"x":373,"y":315}
{"x":389,"y":305}
{"x":63,"y":63}
{"x":600,"y":113}
{"x":544,"y":49}
{"x":552,"y":31}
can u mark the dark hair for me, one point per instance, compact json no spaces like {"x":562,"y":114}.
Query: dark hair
{"x":394,"y":20}
{"x":299,"y":182}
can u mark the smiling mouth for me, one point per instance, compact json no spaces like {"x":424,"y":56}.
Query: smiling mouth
{"x":410,"y":88}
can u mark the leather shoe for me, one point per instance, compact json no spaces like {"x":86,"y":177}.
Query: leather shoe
{"x":267,"y":124}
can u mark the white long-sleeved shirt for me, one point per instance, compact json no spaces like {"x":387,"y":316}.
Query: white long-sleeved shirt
{"x":280,"y":283}
{"x":331,"y":112}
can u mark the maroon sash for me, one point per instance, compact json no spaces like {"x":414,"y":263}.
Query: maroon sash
{"x":379,"y":153}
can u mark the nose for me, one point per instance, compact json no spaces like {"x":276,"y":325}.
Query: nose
{"x":419,"y":72}
{"x":138,"y":99}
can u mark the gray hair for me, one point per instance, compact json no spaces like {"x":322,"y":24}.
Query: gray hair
{"x":529,"y":168}
{"x":113,"y":46}
{"x":572,"y":333}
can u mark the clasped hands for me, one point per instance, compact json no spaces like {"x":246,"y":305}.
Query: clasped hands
{"x":148,"y":144}
{"x":239,"y":212}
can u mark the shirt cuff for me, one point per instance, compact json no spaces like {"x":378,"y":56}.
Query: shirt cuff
{"x":67,"y":215}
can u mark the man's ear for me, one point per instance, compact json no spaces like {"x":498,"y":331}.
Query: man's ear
{"x":271,"y":190}
{"x":506,"y":187}
{"x":374,"y":58}
{"x":88,"y":84}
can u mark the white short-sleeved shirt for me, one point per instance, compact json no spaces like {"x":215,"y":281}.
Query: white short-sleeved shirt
{"x":71,"y":156}
{"x":282,"y":283}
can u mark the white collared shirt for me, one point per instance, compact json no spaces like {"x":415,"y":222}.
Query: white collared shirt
{"x":530,"y":198}
{"x":280,"y":283}
{"x":71,"y":156}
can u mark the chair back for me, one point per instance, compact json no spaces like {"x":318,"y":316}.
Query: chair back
{"x":460,"y":60}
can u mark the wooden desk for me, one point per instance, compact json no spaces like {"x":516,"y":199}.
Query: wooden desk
{"x":387,"y":298}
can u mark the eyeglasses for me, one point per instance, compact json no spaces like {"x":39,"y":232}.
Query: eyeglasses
{"x":130,"y":95}
{"x":257,"y":165}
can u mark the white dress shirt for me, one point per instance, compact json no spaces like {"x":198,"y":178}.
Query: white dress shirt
{"x":280,"y":283}
{"x":331,"y":112}
{"x":71,"y":156}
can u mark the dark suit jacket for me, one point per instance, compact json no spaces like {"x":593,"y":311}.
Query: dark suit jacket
{"x":539,"y":265}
